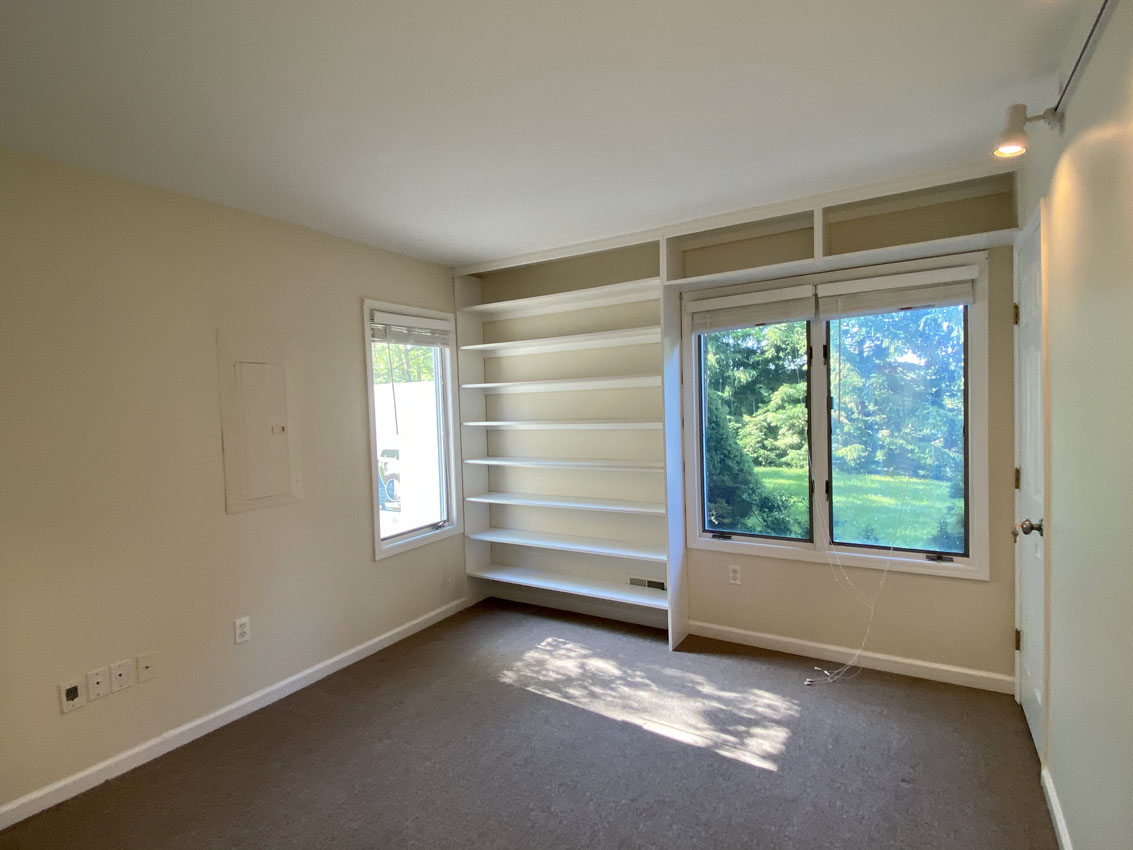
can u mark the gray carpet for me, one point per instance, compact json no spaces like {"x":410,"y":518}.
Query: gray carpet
{"x":516,"y":727}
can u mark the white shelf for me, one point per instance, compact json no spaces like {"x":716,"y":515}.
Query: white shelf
{"x":572,"y":463}
{"x":569,"y":502}
{"x":570,"y":543}
{"x":577,"y":585}
{"x":619,"y":382}
{"x":647,"y":289}
{"x":569,"y":425}
{"x":574,"y":342}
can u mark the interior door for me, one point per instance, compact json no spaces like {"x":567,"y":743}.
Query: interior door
{"x":1030,"y":509}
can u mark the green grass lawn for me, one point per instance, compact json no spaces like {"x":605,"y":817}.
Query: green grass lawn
{"x":903,"y":512}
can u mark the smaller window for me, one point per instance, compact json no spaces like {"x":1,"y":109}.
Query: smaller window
{"x":409,"y":358}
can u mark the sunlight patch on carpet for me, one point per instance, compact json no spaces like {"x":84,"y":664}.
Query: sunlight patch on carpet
{"x":747,"y":725}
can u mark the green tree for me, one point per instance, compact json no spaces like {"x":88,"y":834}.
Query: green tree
{"x":776,"y":434}
{"x":736,"y":500}
{"x":402,"y":364}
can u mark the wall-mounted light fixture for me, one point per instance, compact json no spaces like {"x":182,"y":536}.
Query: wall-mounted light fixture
{"x":1013,"y":142}
{"x":1014,"y":139}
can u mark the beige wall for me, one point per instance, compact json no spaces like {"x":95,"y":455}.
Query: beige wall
{"x":1085,"y":175}
{"x":959,"y":622}
{"x":115,"y":537}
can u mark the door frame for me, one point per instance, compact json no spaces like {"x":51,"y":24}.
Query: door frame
{"x":1038,"y":222}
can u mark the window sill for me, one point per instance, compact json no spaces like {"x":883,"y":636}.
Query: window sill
{"x":898,"y":562}
{"x":396,"y":547}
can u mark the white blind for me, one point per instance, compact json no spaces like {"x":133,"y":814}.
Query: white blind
{"x":746,"y":311}
{"x":406,"y":330}
{"x":936,"y":288}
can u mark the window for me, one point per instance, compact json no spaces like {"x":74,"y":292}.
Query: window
{"x":409,"y":361}
{"x":843,"y":419}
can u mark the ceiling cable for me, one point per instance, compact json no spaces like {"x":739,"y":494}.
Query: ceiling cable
{"x":1081,"y":56}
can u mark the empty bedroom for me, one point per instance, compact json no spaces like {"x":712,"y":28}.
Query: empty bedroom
{"x":534,"y":425}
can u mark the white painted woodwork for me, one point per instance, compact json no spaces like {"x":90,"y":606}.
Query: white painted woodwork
{"x":573,"y":543}
{"x":607,"y":464}
{"x":575,"y":585}
{"x":556,"y":385}
{"x":574,"y":342}
{"x":579,"y":503}
{"x":579,"y":299}
{"x":568,"y":425}
{"x":1031,"y":564}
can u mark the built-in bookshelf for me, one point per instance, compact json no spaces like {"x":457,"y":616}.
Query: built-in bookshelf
{"x":563,"y":477}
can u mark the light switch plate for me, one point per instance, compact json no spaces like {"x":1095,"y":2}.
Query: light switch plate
{"x":122,"y":674}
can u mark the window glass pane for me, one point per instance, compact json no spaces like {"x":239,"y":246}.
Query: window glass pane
{"x":755,"y":425}
{"x":410,"y":418}
{"x":897,"y":439}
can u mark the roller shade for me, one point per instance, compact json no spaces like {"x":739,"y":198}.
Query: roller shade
{"x":403,"y":330}
{"x":918,"y":290}
{"x":746,"y":311}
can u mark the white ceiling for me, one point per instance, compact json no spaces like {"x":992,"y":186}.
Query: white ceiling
{"x":462,"y":131}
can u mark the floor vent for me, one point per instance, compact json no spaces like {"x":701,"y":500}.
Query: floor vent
{"x":646,"y":582}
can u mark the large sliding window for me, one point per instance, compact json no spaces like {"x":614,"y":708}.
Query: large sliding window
{"x":409,"y":358}
{"x":835,"y":419}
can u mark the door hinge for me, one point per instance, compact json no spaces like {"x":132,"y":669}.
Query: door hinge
{"x":1018,"y":639}
{"x":1016,"y":308}
{"x":1018,"y":477}
{"x":828,"y":489}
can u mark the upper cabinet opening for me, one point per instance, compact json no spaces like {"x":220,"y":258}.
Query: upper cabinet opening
{"x":619,"y":265}
{"x":748,"y":245}
{"x":940,"y":212}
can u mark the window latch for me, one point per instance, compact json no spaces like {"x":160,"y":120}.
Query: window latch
{"x":716,"y":535}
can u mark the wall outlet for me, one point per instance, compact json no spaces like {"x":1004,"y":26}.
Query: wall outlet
{"x":71,"y":696}
{"x":733,"y":574}
{"x":147,"y":666}
{"x":98,"y":683}
{"x":242,"y":629}
{"x":122,"y":674}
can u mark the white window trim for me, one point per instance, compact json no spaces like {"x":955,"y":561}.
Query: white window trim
{"x":386,"y":548}
{"x":977,"y":564}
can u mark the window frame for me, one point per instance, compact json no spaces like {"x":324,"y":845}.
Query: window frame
{"x":448,"y":443}
{"x":976,"y":565}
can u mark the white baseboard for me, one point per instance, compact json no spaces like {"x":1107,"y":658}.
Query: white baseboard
{"x":96,"y":774}
{"x":1052,"y":803}
{"x":986,"y":680}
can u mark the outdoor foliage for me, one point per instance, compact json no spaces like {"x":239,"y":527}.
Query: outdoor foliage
{"x":897,"y":429}
{"x":403,"y":363}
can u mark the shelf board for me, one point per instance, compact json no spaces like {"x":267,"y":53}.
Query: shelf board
{"x":608,"y":464}
{"x":569,"y":502}
{"x":571,"y":543}
{"x":574,"y":342}
{"x":617,"y":382}
{"x":569,"y":425}
{"x":576,"y":585}
{"x":628,"y":292}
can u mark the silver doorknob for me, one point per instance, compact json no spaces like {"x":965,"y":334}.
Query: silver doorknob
{"x":1026,"y":526}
